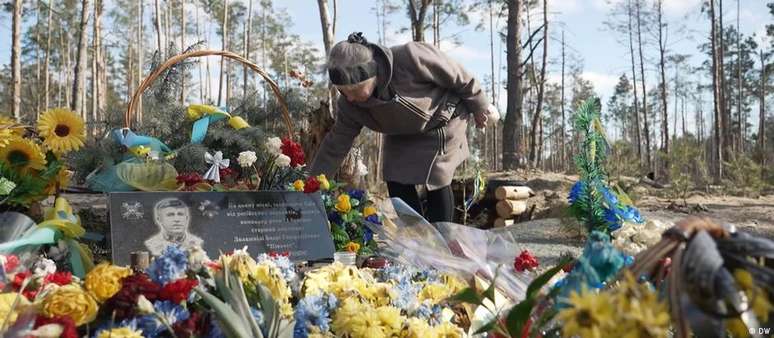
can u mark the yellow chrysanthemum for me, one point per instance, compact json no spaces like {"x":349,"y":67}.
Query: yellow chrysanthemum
{"x":241,"y":263}
{"x":22,"y":155}
{"x":324,"y":183}
{"x":435,"y":293}
{"x":62,"y":130}
{"x":446,"y":330}
{"x":121,"y":332}
{"x":355,"y":319}
{"x":270,"y":276}
{"x":757,"y":295}
{"x":298,"y":185}
{"x":352,"y":247}
{"x":589,"y":315}
{"x":416,"y":328}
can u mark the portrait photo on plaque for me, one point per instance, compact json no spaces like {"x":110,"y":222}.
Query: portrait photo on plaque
{"x":263,"y":221}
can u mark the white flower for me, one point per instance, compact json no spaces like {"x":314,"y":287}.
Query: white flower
{"x":44,"y":267}
{"x":47,"y":331}
{"x":282,"y":161}
{"x":274,"y":145}
{"x":247,"y":158}
{"x":197,"y":257}
{"x":362,"y":169}
{"x":144,"y":306}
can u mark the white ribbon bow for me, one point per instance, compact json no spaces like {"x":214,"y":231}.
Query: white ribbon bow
{"x":218,"y":163}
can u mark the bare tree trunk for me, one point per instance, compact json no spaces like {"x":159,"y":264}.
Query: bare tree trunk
{"x":724,"y":107}
{"x":644,"y":90}
{"x":536,"y":117}
{"x":16,"y":61}
{"x":157,"y":25}
{"x":182,"y":49}
{"x":37,"y":59}
{"x":493,"y":132}
{"x":417,"y":13}
{"x":67,"y":49}
{"x":741,"y":134}
{"x":80,"y":64}
{"x":46,"y":64}
{"x":247,"y":31}
{"x":140,"y":57}
{"x":662,"y":51}
{"x":436,"y":24}
{"x":201,"y":72}
{"x":224,"y":45}
{"x":630,"y":14}
{"x":327,"y":33}
{"x":762,"y":110}
{"x":98,"y":93}
{"x":716,"y":97}
{"x":513,"y":148}
{"x":564,"y":131}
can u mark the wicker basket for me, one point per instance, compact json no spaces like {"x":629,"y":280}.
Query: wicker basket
{"x":130,"y":110}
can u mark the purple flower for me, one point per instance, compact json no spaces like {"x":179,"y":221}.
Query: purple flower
{"x":357,"y":194}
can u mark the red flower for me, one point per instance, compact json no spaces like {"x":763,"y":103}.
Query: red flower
{"x":294,"y":151}
{"x":226,"y":172}
{"x":11,"y":263}
{"x":196,"y":324}
{"x":69,"y":325}
{"x":59,"y":278}
{"x":178,"y":291}
{"x":124,"y":302}
{"x":190,"y":179}
{"x":19,"y":278}
{"x":30,"y":294}
{"x":311,"y":185}
{"x":525,"y":261}
{"x":275,"y":254}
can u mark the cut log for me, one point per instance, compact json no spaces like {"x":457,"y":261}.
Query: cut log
{"x":508,"y":208}
{"x":502,"y":222}
{"x":513,"y":193}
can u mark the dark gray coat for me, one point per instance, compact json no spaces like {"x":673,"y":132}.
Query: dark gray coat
{"x":421,"y":104}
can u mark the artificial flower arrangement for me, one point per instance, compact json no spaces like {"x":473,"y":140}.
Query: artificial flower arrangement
{"x":201,"y":163}
{"x":395,"y":301}
{"x":181,"y":294}
{"x":348,"y":212}
{"x":31,"y":160}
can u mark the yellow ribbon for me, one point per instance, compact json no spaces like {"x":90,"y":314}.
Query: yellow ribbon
{"x":197,"y":111}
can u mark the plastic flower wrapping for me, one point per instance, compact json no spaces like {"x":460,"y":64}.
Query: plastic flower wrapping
{"x":351,"y":213}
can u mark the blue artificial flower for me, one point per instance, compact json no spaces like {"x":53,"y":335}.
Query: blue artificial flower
{"x":406,"y":294}
{"x":631,"y":214}
{"x":315,"y":311}
{"x":258,"y":316}
{"x":576,"y":190}
{"x":132,"y":324}
{"x":433,"y":314}
{"x":374,"y":219}
{"x":357,"y":194}
{"x":610,"y":198}
{"x":286,"y":267}
{"x":335,"y":218}
{"x":172,"y":313}
{"x":397,"y":273}
{"x":216,"y":331}
{"x":170,"y":266}
{"x":628,"y":260}
{"x":613,"y":221}
{"x":368,"y":235}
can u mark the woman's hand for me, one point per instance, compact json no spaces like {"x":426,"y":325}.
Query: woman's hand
{"x":481,"y":119}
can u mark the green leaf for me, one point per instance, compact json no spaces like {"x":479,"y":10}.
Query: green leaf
{"x":538,"y":283}
{"x":232,"y":323}
{"x":469,"y":296}
{"x":518,"y":317}
{"x":487,"y":327}
{"x":489,"y":293}
{"x":6,"y":186}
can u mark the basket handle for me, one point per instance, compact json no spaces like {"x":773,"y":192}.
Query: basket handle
{"x":132,"y":106}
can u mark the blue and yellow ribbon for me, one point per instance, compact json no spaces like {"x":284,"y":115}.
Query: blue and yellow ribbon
{"x":203,"y":115}
{"x":60,"y":224}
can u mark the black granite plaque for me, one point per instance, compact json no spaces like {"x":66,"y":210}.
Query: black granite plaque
{"x":264,"y":221}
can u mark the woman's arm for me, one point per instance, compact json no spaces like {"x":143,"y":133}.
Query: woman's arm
{"x":337,"y":142}
{"x":435,"y":66}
